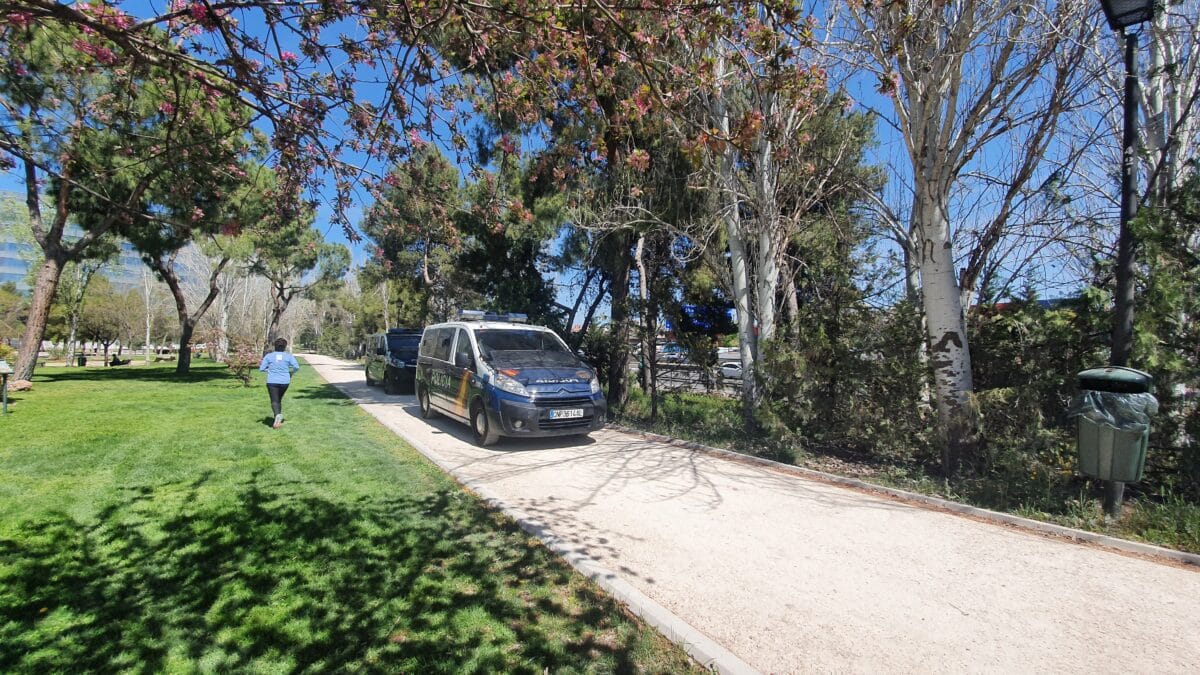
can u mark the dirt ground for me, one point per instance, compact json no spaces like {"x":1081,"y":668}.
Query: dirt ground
{"x":797,"y":576}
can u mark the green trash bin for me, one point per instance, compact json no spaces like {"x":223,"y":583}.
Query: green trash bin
{"x":1114,"y":406}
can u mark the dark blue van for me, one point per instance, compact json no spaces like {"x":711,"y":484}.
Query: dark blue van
{"x":392,"y":359}
{"x":503,"y":377}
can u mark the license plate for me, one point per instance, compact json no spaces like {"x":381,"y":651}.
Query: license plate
{"x":569,"y":413}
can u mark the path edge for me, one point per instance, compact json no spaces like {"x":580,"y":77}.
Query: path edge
{"x":1103,"y":540}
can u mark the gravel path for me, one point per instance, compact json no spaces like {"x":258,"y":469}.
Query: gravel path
{"x":797,"y":576}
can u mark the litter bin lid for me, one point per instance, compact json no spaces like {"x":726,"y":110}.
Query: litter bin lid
{"x":1117,"y":379}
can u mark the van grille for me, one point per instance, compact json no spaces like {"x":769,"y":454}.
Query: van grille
{"x":585,"y":402}
{"x":574,"y":402}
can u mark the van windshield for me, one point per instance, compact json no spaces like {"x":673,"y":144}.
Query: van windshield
{"x":401,"y":343}
{"x":523,"y":348}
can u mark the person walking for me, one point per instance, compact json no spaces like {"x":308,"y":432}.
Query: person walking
{"x":279,"y":366}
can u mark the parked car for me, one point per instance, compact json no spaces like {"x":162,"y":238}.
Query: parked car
{"x":731,"y":370}
{"x":671,"y":352}
{"x":503,"y":377}
{"x":392,"y":359}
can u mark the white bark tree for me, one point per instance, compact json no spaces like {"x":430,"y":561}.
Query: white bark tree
{"x":769,"y":96}
{"x":1170,"y":97}
{"x":963,"y":76}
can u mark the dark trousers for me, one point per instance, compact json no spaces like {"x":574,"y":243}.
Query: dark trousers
{"x":277,"y":391}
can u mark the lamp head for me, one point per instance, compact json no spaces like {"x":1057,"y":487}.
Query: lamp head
{"x":1125,"y":13}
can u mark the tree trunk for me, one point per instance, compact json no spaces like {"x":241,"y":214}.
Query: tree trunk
{"x":946,"y":334}
{"x":73,"y":322}
{"x":791,"y":304}
{"x":766,"y":258}
{"x":747,"y":344}
{"x":146,"y":296}
{"x":182,"y":366}
{"x":912,"y":267}
{"x":187,"y":322}
{"x":618,"y":365}
{"x":279,"y":307}
{"x":591,"y":312}
{"x":386,"y":295}
{"x":646,"y":343}
{"x":766,"y":282}
{"x":39,"y":310}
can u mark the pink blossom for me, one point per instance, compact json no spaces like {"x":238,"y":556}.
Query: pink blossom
{"x":639,"y":159}
{"x":198,"y":11}
{"x":20,"y":19}
{"x":289,"y":57}
{"x":20,"y":69}
{"x":102,"y":54}
{"x":414,"y":136}
{"x":166,"y":108}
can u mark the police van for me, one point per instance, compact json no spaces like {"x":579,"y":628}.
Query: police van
{"x":504,"y":377}
{"x":392,"y":359}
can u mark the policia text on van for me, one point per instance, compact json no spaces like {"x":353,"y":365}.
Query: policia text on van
{"x":505,"y":378}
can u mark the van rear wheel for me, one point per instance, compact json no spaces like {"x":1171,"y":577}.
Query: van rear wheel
{"x":390,"y":386}
{"x":481,"y":427}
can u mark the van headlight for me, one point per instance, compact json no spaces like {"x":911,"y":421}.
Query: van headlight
{"x":594,"y":384}
{"x":506,"y":383}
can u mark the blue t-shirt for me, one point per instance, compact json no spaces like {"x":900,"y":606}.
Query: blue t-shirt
{"x":279,"y":367}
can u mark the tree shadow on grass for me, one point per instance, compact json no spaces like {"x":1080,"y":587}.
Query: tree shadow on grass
{"x":277,"y":578}
{"x":198,"y":373}
{"x":324,"y":392}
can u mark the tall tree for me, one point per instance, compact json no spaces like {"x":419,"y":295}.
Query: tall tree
{"x":71,"y":293}
{"x":104,"y":128}
{"x":298,"y":263}
{"x":764,"y":106}
{"x":506,"y":232}
{"x":101,"y":321}
{"x":961,"y":76}
{"x":413,"y":225}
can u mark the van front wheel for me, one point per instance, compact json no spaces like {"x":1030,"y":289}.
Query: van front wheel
{"x":482,"y":428}
{"x":427,"y":410}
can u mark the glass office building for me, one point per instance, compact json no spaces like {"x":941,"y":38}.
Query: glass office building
{"x":16,"y":253}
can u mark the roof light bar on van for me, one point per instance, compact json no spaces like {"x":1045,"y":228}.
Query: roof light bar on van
{"x":480,"y":315}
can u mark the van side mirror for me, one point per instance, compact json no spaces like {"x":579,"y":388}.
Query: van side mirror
{"x":382,"y":351}
{"x":462,"y":360}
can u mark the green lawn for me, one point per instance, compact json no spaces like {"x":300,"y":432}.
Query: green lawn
{"x":152,"y":524}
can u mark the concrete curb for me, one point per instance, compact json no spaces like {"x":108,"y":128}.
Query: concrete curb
{"x":1125,"y":545}
{"x":706,"y":651}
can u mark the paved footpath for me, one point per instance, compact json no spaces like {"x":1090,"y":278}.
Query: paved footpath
{"x":797,"y":576}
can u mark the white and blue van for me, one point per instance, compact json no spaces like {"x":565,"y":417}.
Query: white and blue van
{"x":504,"y":377}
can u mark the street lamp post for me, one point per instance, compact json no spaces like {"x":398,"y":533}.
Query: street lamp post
{"x":1122,"y":15}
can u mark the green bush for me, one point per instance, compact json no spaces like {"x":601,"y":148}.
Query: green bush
{"x":1170,"y":521}
{"x":598,"y":346}
{"x":7,"y":353}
